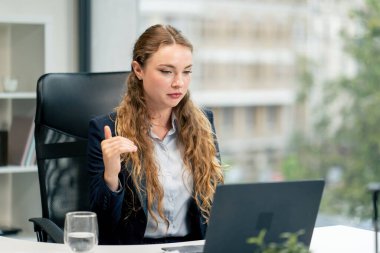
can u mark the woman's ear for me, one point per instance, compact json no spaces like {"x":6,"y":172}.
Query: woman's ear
{"x":137,"y":69}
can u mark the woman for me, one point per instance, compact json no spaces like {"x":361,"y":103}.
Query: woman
{"x":154,"y":163}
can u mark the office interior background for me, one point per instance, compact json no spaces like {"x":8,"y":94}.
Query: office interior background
{"x":285,"y":80}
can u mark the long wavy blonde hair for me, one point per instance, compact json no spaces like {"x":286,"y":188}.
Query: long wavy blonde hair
{"x":195,"y":132}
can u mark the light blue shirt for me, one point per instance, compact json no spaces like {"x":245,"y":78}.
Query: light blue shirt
{"x":177,"y":184}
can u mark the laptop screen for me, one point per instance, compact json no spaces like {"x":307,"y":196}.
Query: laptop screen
{"x":241,"y":211}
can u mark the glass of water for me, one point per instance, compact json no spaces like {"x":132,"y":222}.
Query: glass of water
{"x":81,"y":231}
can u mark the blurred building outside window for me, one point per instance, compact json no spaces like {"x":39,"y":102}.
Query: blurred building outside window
{"x":246,"y":66}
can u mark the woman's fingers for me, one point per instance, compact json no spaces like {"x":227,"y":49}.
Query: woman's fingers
{"x":107,"y":132}
{"x":117,"y":145}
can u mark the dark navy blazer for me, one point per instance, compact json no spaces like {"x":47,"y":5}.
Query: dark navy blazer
{"x":122,"y":216}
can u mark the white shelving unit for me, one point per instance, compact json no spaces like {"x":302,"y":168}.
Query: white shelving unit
{"x":17,"y":95}
{"x":17,"y":169}
{"x":36,"y":37}
{"x":25,"y":44}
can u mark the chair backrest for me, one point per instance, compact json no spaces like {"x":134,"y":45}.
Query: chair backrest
{"x":65,"y":104}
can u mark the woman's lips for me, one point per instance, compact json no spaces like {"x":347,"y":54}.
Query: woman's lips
{"x":175,"y":95}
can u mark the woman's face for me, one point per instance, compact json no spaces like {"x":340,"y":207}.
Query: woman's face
{"x":166,"y":76}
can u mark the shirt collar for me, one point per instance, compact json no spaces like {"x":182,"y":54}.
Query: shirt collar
{"x":174,"y":123}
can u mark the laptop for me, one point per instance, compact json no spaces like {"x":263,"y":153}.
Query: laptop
{"x":241,"y":211}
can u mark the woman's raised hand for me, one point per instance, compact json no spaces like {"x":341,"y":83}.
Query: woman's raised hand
{"x":112,"y":148}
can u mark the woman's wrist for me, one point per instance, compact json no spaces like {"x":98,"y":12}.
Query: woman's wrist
{"x":112,"y":181}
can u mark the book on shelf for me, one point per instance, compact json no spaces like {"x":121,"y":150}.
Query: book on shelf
{"x":21,"y":150}
{"x":29,"y":155}
{"x":3,"y":147}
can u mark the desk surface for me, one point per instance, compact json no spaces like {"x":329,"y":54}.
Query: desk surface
{"x":325,"y":240}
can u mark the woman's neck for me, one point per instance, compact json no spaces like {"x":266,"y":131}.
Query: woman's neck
{"x":161,"y":122}
{"x":161,"y":118}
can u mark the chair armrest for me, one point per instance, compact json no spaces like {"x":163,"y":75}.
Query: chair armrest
{"x":43,"y":227}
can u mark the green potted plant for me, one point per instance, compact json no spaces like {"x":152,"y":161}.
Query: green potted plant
{"x":290,"y":243}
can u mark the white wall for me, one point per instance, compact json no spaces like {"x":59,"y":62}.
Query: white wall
{"x":114,"y":25}
{"x":62,"y":26}
{"x":27,"y":47}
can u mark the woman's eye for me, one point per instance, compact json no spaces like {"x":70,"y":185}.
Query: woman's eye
{"x":167,"y":72}
{"x":187,"y":72}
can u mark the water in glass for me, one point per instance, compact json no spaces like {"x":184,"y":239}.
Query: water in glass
{"x":81,"y":231}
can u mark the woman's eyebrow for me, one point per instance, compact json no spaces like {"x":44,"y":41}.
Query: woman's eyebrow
{"x":172,"y":66}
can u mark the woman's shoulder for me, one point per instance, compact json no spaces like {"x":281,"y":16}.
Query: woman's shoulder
{"x":105,"y":119}
{"x":208,"y":112}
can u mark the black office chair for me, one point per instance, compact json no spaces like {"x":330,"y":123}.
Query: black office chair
{"x":65,"y":104}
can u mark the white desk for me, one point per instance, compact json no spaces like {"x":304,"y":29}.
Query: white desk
{"x":342,"y":239}
{"x":334,"y":239}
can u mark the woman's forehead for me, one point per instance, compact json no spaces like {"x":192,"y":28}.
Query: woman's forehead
{"x":172,"y":55}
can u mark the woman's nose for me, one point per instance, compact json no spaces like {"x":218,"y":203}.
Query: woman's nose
{"x":178,"y":81}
